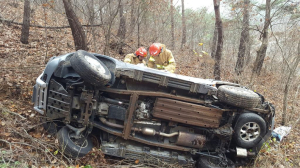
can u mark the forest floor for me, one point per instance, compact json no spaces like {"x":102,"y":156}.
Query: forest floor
{"x":24,"y":143}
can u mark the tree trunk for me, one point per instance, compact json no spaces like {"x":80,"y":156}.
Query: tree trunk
{"x":214,"y":42}
{"x":247,"y":52}
{"x":218,"y":56}
{"x":172,"y":25}
{"x":77,"y":30}
{"x":112,"y":15}
{"x":132,"y":16}
{"x":91,"y":18}
{"x":122,"y":29}
{"x":261,"y":53}
{"x":183,"y":26}
{"x":138,"y":26}
{"x":26,"y":22}
{"x":244,"y":40}
{"x":287,"y":86}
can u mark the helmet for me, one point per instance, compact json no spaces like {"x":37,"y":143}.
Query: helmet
{"x":141,"y":52}
{"x":154,"y":49}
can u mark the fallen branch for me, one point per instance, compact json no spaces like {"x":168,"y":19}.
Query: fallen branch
{"x":25,"y":67}
{"x":11,"y":112}
{"x":38,"y":26}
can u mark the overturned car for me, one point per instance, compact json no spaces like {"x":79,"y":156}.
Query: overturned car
{"x":133,"y":112}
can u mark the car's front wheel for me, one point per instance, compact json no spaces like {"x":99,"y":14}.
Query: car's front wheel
{"x":73,"y":147}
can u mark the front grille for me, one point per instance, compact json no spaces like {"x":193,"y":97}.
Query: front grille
{"x":58,"y":103}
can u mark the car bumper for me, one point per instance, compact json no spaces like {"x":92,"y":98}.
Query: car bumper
{"x":39,"y":97}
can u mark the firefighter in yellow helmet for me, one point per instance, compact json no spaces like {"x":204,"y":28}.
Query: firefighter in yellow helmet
{"x":161,"y":58}
{"x":137,"y":57}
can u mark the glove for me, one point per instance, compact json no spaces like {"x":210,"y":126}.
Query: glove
{"x":140,"y":64}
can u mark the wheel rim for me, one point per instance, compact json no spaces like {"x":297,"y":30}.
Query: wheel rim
{"x":82,"y":141}
{"x":250,"y":131}
{"x":95,"y":64}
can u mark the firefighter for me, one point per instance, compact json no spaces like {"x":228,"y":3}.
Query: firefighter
{"x":137,"y":57}
{"x":161,"y":58}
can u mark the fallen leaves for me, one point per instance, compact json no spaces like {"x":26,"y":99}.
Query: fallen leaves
{"x":36,"y":135}
{"x":2,"y":123}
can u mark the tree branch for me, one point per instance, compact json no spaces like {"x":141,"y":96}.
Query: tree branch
{"x":38,"y":26}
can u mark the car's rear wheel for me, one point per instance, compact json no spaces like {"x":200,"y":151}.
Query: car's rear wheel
{"x":249,"y":129}
{"x":73,"y":147}
{"x":91,"y":69}
{"x":238,"y":96}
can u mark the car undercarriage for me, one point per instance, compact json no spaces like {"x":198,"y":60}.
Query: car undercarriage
{"x":138,"y":113}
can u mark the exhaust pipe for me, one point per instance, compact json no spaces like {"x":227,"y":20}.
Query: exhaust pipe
{"x":150,"y":131}
{"x":145,"y":131}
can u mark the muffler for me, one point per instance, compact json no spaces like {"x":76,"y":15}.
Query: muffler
{"x":190,"y":140}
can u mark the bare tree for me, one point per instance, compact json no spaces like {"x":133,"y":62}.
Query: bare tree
{"x":287,"y":86}
{"x":219,"y":25}
{"x":122,"y":28}
{"x":244,"y":40}
{"x":26,"y":22}
{"x":183,"y":26}
{"x":91,"y":18}
{"x":261,"y":53}
{"x":139,"y":24}
{"x":141,"y":12}
{"x":214,"y":42}
{"x":108,"y":14}
{"x":172,"y":25}
{"x":132,"y":16}
{"x":77,"y":30}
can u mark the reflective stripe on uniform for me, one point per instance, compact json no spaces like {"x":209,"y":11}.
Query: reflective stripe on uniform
{"x":151,"y":59}
{"x":171,"y":60}
{"x":160,"y":66}
{"x":127,"y":60}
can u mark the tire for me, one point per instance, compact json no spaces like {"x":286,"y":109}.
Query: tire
{"x":238,"y":96}
{"x":208,"y":162}
{"x":91,"y":69}
{"x":70,"y":147}
{"x":249,"y":130}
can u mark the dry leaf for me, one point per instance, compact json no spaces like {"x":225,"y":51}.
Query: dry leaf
{"x":53,"y":161}
{"x":37,"y":135}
